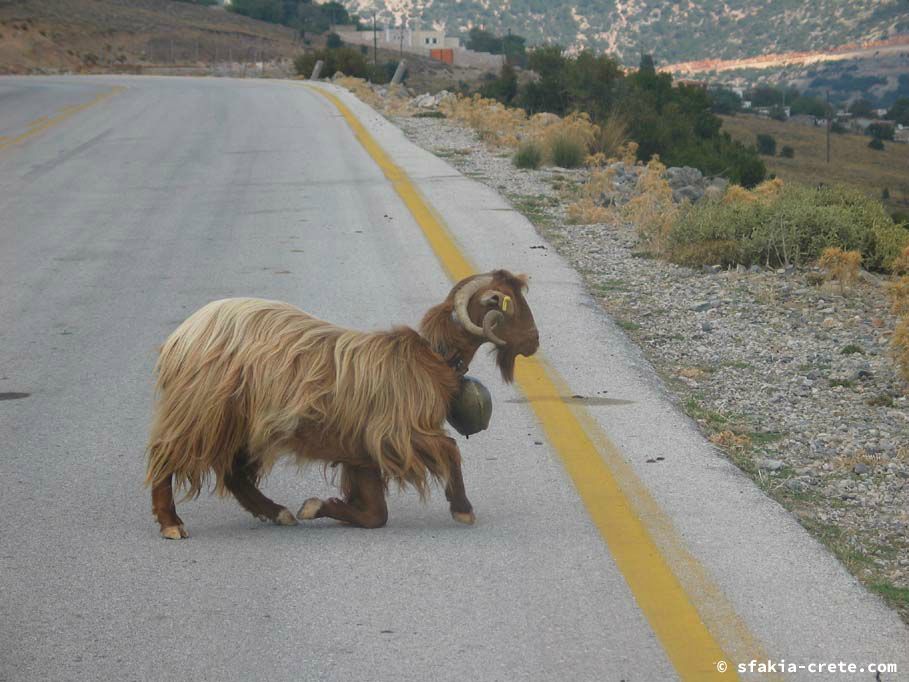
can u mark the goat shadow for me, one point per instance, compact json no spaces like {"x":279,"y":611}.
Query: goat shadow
{"x":587,"y":401}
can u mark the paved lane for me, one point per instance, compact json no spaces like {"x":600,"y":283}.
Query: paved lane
{"x":116,"y":225}
{"x":121,"y":218}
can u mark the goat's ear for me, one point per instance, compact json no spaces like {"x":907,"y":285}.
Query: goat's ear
{"x":498,"y":300}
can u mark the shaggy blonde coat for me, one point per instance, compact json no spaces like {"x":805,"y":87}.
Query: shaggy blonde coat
{"x":266,"y":378}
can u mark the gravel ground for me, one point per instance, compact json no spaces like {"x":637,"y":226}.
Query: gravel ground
{"x":789,"y":375}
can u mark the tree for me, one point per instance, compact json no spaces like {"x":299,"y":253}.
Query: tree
{"x":880,"y":131}
{"x":479,"y":40}
{"x":765,"y":96}
{"x":264,"y":10}
{"x":899,"y":112}
{"x":766,"y":144}
{"x":505,"y":87}
{"x":548,"y":93}
{"x":724,"y":101}
{"x":808,"y":105}
{"x":333,"y":41}
{"x":861,"y":108}
{"x":777,"y":113}
{"x":647,"y":66}
{"x":514,"y":48}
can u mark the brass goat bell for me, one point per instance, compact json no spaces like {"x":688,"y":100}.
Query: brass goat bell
{"x":471,"y":407}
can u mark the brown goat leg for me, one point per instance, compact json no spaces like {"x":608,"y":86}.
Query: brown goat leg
{"x":365,"y":505}
{"x":241,"y":484}
{"x":458,"y":504}
{"x":165,"y":511}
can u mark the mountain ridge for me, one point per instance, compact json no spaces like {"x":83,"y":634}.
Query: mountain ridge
{"x":671,"y":31}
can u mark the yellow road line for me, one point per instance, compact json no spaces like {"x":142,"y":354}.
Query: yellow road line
{"x":691,"y":647}
{"x":39,"y":125}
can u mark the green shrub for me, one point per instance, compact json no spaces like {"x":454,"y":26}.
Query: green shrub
{"x":567,"y":152}
{"x":876,"y":144}
{"x":766,"y":144}
{"x":529,"y":155}
{"x":787,"y":152}
{"x":333,"y":41}
{"x":792,"y":226}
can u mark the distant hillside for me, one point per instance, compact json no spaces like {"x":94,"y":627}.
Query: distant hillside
{"x":672,"y":31}
{"x":86,"y":34}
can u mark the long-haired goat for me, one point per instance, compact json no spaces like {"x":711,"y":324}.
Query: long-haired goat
{"x":244,"y":381}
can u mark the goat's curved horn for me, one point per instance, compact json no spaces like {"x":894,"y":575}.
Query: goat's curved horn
{"x":462,"y":298}
{"x":492,"y":318}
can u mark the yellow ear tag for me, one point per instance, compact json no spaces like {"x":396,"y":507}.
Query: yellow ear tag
{"x":505,"y":303}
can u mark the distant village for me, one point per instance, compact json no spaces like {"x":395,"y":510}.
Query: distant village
{"x":433,"y":44}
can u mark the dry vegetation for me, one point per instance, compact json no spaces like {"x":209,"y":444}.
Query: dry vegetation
{"x":899,"y":301}
{"x":851,"y":161}
{"x":85,"y":35}
{"x":508,"y":127}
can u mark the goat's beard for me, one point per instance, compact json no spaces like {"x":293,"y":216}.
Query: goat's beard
{"x":505,"y":358}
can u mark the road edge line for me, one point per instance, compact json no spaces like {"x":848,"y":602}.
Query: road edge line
{"x":573,"y":434}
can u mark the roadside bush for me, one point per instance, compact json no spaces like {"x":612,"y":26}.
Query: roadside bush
{"x":651,"y":209}
{"x":611,"y":137}
{"x":787,"y":152}
{"x":766,"y":144}
{"x":783,"y":224}
{"x":333,"y":41}
{"x":566,"y":152}
{"x":900,"y":345}
{"x":529,"y":155}
{"x":493,"y":121}
{"x":589,"y":208}
{"x":841,"y":266}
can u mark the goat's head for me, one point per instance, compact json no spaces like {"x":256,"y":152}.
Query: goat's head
{"x":492,"y":306}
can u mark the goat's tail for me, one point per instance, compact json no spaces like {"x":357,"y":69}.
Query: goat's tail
{"x":197,"y":429}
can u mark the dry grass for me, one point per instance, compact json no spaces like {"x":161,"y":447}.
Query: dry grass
{"x":899,"y":304}
{"x":396,"y":102}
{"x":503,"y":126}
{"x":900,"y":345}
{"x":494,"y":123}
{"x":841,"y":266}
{"x":851,"y":162}
{"x":586,"y":210}
{"x":651,"y":209}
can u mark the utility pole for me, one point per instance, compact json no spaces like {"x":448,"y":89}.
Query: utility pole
{"x":829,"y":114}
{"x":375,"y":41}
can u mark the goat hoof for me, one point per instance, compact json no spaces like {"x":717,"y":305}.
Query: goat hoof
{"x":309,"y":509}
{"x":174,"y":532}
{"x":285,"y":518}
{"x":467,"y":518}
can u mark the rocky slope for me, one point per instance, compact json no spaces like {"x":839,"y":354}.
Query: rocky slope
{"x":673,"y":32}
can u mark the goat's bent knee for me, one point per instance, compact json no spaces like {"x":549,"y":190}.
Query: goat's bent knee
{"x":376,"y":520}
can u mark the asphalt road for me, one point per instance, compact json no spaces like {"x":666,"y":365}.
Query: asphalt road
{"x":122,"y":219}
